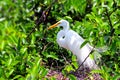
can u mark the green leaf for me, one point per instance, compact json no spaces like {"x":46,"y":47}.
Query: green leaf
{"x":1,"y":78}
{"x":17,"y":77}
{"x":116,"y":77}
{"x":52,"y":78}
{"x":75,"y":64}
{"x":33,"y":39}
{"x":72,"y":77}
{"x":74,"y":58}
{"x":84,"y":43}
{"x":51,"y":55}
{"x":1,"y":72}
{"x":43,"y":72}
{"x":117,"y":68}
{"x":69,"y":68}
{"x":9,"y":73}
{"x":18,"y":45}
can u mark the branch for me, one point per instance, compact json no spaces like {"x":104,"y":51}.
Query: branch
{"x":114,"y":7}
{"x":43,"y":18}
{"x":85,"y":59}
{"x":73,"y":72}
{"x":110,"y":22}
{"x":112,"y":30}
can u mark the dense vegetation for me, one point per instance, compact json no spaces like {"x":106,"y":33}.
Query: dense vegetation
{"x":28,"y":50}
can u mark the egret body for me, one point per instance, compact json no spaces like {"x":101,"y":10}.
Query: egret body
{"x":72,"y":41}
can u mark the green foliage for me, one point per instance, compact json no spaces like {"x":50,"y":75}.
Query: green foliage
{"x":72,"y":77}
{"x":105,"y":73}
{"x":30,"y":57}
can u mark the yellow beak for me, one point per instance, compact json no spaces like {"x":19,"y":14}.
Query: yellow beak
{"x":54,"y":25}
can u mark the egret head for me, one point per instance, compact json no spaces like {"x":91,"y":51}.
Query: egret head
{"x":62,"y":23}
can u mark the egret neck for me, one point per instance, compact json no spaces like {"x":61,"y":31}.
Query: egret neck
{"x":64,"y":24}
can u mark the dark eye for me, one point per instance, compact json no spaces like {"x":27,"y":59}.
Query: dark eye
{"x":61,"y":27}
{"x":63,"y":37}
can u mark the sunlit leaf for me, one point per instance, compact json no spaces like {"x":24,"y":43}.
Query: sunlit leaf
{"x":84,"y":43}
{"x":72,"y":77}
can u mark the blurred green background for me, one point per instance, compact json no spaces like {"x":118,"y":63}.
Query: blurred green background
{"x":28,"y":50}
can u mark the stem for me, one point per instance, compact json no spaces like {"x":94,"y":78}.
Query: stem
{"x":85,"y":59}
{"x":110,"y":22}
{"x":112,"y":30}
{"x":43,"y":18}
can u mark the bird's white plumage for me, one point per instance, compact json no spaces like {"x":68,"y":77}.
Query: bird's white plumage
{"x":70,"y":40}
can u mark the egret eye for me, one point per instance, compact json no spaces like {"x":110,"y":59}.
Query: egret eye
{"x":63,"y":37}
{"x":61,"y":27}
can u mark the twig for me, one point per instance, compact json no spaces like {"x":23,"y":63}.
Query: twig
{"x":92,"y":50}
{"x":43,"y":18}
{"x":110,"y":22}
{"x":45,"y":46}
{"x":114,"y":5}
{"x":72,"y":72}
{"x":65,"y":59}
{"x":112,"y":30}
{"x":85,"y":59}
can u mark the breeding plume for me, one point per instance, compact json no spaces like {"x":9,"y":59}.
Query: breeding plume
{"x":72,"y":41}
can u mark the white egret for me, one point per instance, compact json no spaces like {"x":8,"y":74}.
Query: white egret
{"x":72,"y":41}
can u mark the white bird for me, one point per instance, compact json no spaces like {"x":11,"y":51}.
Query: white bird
{"x":72,"y":41}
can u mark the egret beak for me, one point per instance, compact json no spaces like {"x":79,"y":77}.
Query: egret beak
{"x":54,"y":25}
